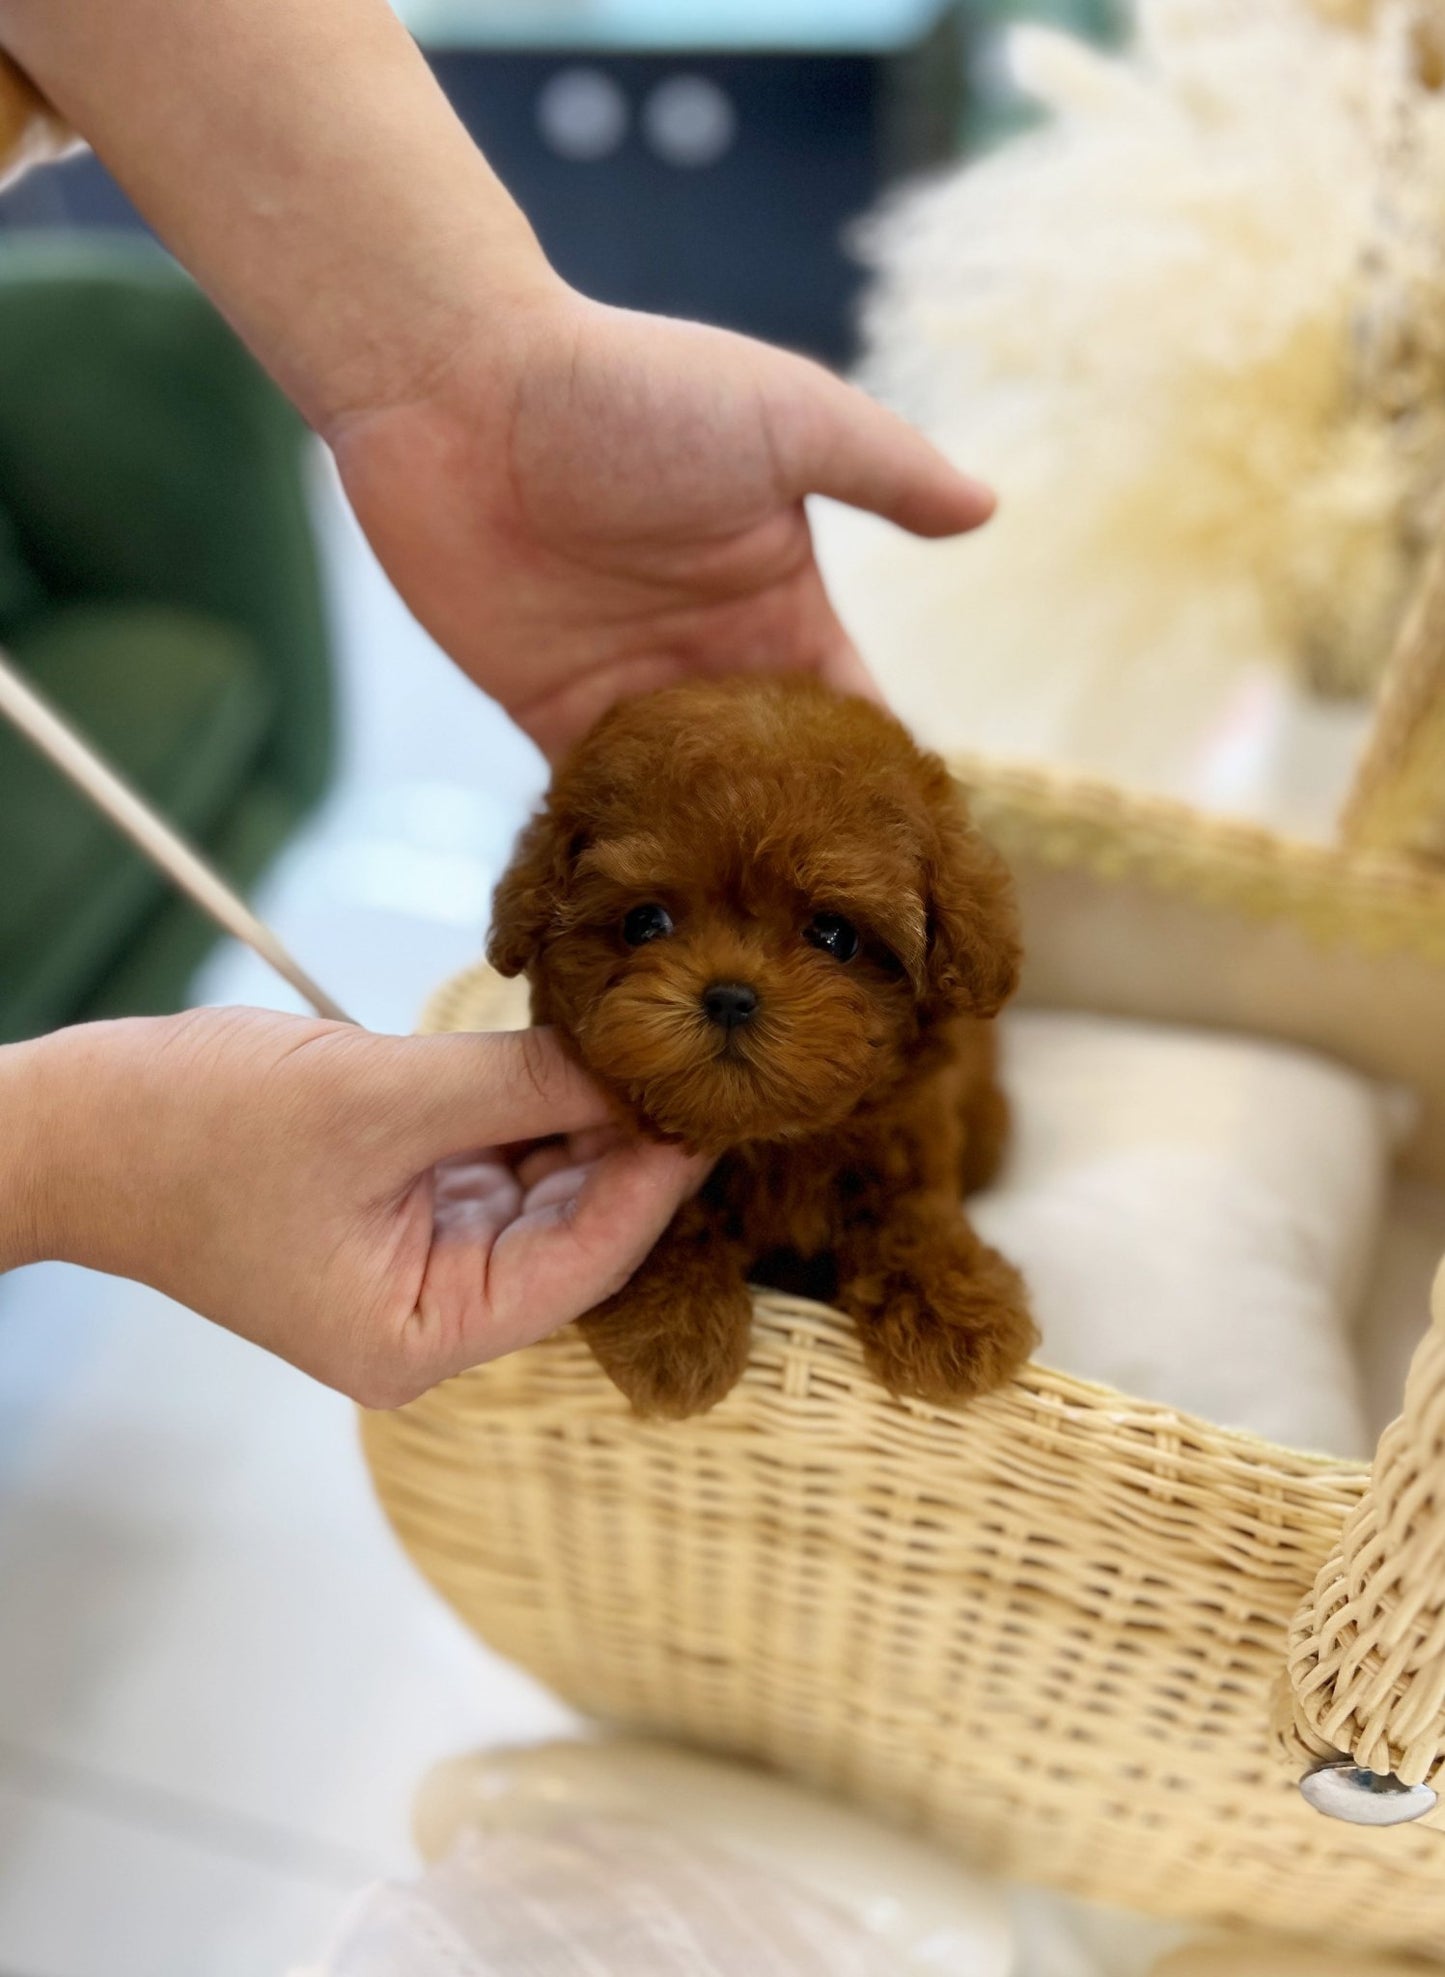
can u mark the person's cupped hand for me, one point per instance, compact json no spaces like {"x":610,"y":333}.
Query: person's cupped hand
{"x":582,"y":503}
{"x":381,"y":1211}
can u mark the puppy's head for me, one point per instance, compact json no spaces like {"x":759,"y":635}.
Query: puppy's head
{"x":746,"y":901}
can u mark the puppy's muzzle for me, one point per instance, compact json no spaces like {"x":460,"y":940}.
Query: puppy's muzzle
{"x":729,"y":1004}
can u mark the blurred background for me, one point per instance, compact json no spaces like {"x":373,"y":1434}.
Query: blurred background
{"x":699,"y":157}
{"x":219,"y":1682}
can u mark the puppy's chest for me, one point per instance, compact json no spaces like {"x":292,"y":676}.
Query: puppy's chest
{"x":802,"y":1199}
{"x":768,"y":1199}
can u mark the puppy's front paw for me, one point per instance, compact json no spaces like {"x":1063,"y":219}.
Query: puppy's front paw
{"x":672,"y":1350}
{"x":945,"y":1332}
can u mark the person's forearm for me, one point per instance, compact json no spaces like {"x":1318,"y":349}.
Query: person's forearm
{"x":24,"y":1104}
{"x":299,"y":158}
{"x":57,"y":1148}
{"x":80,"y":1130}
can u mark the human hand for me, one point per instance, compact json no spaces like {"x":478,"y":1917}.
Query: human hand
{"x":577,"y":502}
{"x":320,"y":1191}
{"x":582,"y":503}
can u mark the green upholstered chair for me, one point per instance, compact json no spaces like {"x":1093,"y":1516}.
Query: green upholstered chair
{"x":159,"y":582}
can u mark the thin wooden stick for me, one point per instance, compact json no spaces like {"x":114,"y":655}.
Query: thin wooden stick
{"x":76,"y":760}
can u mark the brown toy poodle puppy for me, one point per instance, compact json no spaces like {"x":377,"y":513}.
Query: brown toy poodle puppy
{"x":758,"y":913}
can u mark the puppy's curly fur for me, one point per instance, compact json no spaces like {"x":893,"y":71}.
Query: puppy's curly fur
{"x":791,"y":862}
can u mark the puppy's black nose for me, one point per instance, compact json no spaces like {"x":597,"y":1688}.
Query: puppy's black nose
{"x":729,"y":1003}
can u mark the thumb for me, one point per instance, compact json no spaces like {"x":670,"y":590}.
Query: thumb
{"x":831,"y":438}
{"x":458,"y":1092}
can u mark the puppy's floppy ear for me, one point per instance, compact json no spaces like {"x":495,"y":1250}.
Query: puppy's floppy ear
{"x":973,"y":931}
{"x":531,"y":890}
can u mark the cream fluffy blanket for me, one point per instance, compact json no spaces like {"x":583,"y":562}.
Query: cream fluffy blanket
{"x":1194,"y":330}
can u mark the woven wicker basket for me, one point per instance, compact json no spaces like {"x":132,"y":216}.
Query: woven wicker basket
{"x":1085,"y":1638}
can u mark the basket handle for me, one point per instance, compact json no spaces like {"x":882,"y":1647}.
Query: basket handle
{"x":1396,"y":803}
{"x":1365,"y":1677}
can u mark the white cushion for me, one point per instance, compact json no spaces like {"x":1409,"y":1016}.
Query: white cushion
{"x":1195,"y":1215}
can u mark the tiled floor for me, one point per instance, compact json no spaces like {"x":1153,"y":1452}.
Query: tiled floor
{"x":219,"y":1679}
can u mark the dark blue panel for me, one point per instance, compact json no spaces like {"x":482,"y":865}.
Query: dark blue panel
{"x":752,"y":241}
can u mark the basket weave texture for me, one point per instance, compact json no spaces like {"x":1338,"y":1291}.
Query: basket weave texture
{"x":1046,"y":1630}
{"x":1085,"y":1638}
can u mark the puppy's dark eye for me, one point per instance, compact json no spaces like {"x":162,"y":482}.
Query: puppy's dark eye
{"x":645,"y":923}
{"x":834,"y":934}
